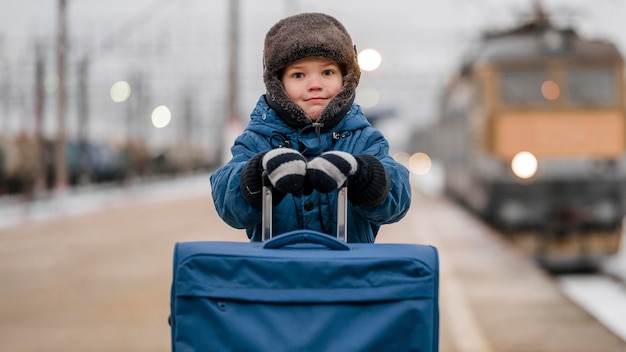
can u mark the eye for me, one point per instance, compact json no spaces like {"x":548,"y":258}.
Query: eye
{"x":297,"y":75}
{"x":328,"y":72}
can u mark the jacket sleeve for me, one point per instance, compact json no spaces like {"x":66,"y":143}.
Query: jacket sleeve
{"x":228,"y":197}
{"x":398,"y":201}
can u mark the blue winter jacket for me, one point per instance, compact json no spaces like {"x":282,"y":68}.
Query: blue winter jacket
{"x":317,"y":211}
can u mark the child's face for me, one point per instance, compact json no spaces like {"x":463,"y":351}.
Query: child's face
{"x":311,"y":83}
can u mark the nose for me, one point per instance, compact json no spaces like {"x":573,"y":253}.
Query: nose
{"x":315,"y":83}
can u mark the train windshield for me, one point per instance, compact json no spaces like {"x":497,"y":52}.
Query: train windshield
{"x":590,"y":86}
{"x":579,"y":86}
{"x":523,"y":87}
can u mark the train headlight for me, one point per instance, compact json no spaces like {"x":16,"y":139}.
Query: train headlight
{"x":524,"y":165}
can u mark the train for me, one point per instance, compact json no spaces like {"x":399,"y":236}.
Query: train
{"x":27,"y":164}
{"x":531,"y":135}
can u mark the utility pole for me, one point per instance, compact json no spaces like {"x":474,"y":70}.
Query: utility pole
{"x":233,"y":59}
{"x":187,"y":131}
{"x":233,"y":123}
{"x":5,"y":90}
{"x":60,"y":158}
{"x":84,"y":167}
{"x":40,"y":97}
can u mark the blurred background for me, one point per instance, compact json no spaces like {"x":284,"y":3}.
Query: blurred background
{"x":512,"y":110}
{"x":131,"y":90}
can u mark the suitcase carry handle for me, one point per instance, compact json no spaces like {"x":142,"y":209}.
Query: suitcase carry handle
{"x":266,"y":210}
{"x":306,"y":236}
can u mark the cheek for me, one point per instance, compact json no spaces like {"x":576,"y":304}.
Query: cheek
{"x":337,"y":87}
{"x":291,"y":90}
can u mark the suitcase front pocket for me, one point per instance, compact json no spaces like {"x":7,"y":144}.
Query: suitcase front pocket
{"x":232,"y":325}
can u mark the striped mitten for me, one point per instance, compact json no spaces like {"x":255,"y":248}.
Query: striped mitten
{"x":330,"y":170}
{"x":285,"y":169}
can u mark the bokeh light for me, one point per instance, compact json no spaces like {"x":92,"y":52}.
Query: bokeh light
{"x":51,"y":83}
{"x":369,"y":60}
{"x":120,"y":91}
{"x":420,"y":164}
{"x":161,"y":116}
{"x":367,"y":97}
{"x":402,"y":158}
{"x":550,"y":90}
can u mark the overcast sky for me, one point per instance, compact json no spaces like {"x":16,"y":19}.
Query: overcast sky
{"x":180,"y":45}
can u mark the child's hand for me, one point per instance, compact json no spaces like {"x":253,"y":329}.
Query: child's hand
{"x":285,"y":169}
{"x":369,"y":187}
{"x":330,"y":170}
{"x":368,"y":180}
{"x":251,"y":180}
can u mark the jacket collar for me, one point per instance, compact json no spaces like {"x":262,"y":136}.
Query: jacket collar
{"x":327,"y":122}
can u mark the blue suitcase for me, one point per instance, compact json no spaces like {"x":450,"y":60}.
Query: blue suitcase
{"x":304,"y":291}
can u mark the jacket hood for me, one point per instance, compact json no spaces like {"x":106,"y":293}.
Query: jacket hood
{"x":309,"y":35}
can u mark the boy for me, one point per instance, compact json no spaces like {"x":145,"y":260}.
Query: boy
{"x":309,"y":137}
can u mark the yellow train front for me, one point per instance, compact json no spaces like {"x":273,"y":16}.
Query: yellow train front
{"x":533,"y":134}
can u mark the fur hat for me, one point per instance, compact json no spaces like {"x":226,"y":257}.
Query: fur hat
{"x":309,"y":35}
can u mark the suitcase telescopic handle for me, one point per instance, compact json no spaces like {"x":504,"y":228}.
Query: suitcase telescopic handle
{"x":306,"y":236}
{"x":267,"y":225}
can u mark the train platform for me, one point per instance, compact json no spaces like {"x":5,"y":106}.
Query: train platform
{"x":92,"y":272}
{"x":492,"y":296}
